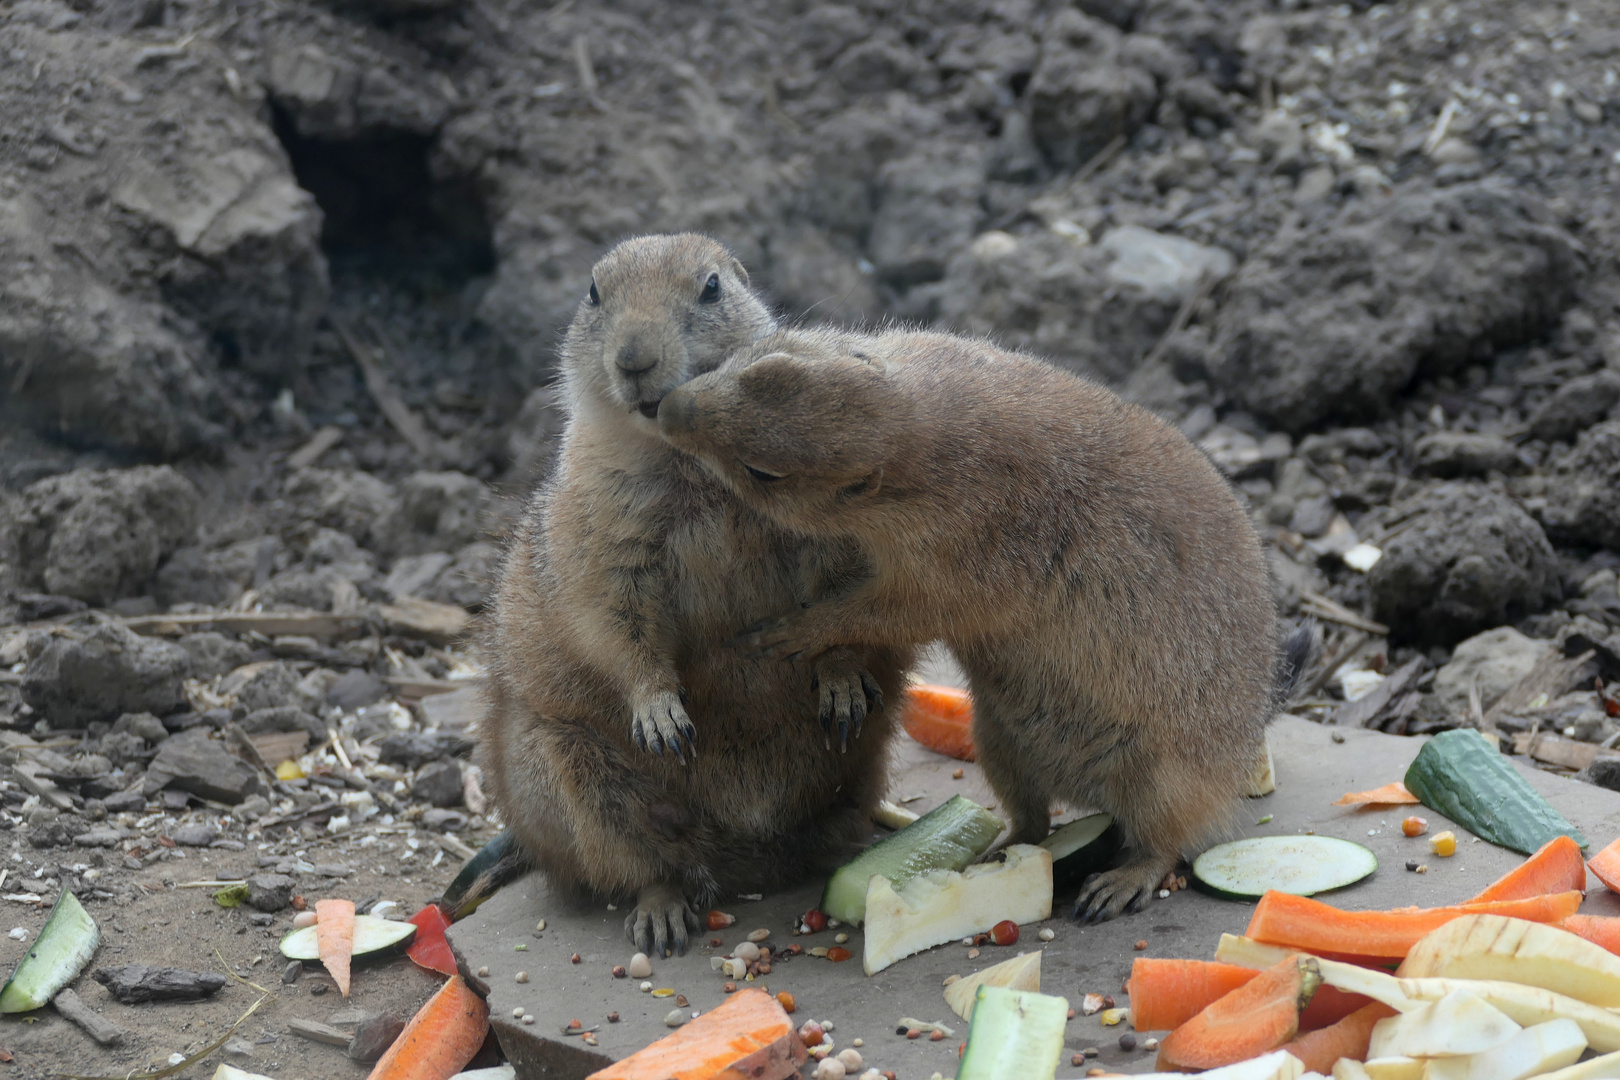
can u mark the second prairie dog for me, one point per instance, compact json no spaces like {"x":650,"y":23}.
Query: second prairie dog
{"x":627,"y":574}
{"x":1095,"y":576}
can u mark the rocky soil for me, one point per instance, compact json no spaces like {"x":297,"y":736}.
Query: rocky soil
{"x":281,"y":283}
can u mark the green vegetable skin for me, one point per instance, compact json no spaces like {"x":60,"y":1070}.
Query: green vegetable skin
{"x":948,"y":837}
{"x":370,"y":935}
{"x":1015,"y":1035}
{"x":61,"y":951}
{"x":1461,"y":775}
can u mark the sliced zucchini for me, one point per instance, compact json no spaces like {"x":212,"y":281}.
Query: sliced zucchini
{"x":1081,"y":848}
{"x":1464,"y":777}
{"x":371,"y":935}
{"x":497,"y":864}
{"x":948,"y":837}
{"x":1300,"y":865}
{"x":1015,"y":1035}
{"x":64,"y":946}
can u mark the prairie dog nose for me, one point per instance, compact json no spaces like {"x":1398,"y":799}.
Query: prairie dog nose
{"x":634,"y":358}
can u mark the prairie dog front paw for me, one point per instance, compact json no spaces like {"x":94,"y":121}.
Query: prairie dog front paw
{"x":658,"y":721}
{"x":780,"y":637}
{"x":848,"y":694}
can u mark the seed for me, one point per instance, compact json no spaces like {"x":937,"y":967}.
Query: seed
{"x":1338,"y":737}
{"x":841,"y":938}
{"x":762,"y":968}
{"x":303,"y":919}
{"x":588,"y":1039}
{"x":758,"y":935}
{"x":719,"y":920}
{"x":1091,"y":1051}
{"x":857,"y":1042}
{"x":1077,"y":1059}
{"x":1444,"y":844}
{"x":1127,"y":1041}
{"x":518,"y":1012}
{"x":1150,"y":1044}
{"x":664,"y":992}
{"x":640,"y":966}
{"x":1415,"y":826}
{"x":913,"y":1033}
{"x":956,"y":774}
{"x":787,"y":1001}
{"x":935,"y":1036}
{"x":619,"y":972}
{"x":1140,"y":945}
{"x":522,"y":976}
{"x":729,"y":988}
{"x":646,"y":987}
{"x":572,"y":959}
{"x":674,"y":1018}
{"x":838,"y":954}
{"x":715,"y":942}
{"x":483,"y":973}
{"x":574,"y":1025}
{"x":1411,"y":865}
{"x":528,"y":1018}
{"x":1424,"y":869}
{"x":613,"y":1018}
{"x":539,"y":926}
{"x":951,"y":979}
{"x":810,"y":1033}
{"x":1071,"y":1014}
{"x":680,"y":999}
{"x":1108,"y":1001}
{"x":851,"y":1059}
{"x":1004,"y":932}
{"x":819,"y":950}
{"x":814,"y":921}
{"x":1181,"y":882}
{"x":1047,"y":933}
{"x":520,"y":948}
{"x":973,"y":954}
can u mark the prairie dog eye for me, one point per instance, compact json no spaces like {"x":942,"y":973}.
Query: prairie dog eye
{"x":711,"y":290}
{"x":761,"y":475}
{"x":593,"y":296}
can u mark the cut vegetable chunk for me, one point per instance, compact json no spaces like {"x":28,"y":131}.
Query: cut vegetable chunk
{"x":1022,"y":972}
{"x":943,"y":905}
{"x":1256,"y":1018}
{"x":1348,"y":1038}
{"x":1492,"y":947}
{"x":1601,"y":930}
{"x":334,"y":939}
{"x":1556,"y":867}
{"x":1605,"y":866}
{"x":1300,"y":865}
{"x":1459,"y":1023}
{"x":1083,"y":847}
{"x":949,"y":837}
{"x":64,"y":946}
{"x":1315,"y":927}
{"x":1263,"y":781}
{"x":371,"y":935}
{"x":1606,"y":1067}
{"x":1460,"y":774}
{"x":1167,"y":993}
{"x":1393,"y":1068}
{"x":1532,"y":1052}
{"x":941,"y":718}
{"x":1015,"y":1035}
{"x":429,"y":949}
{"x":443,"y":1036}
{"x":747,"y":1035}
{"x":1394,"y":794}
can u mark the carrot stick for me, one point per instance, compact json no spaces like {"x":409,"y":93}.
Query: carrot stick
{"x":1167,"y":993}
{"x":1329,"y":1006}
{"x":1312,"y":926}
{"x":1389,"y":795}
{"x":1254,"y":1019}
{"x":1601,"y":930}
{"x":747,"y":1035}
{"x":1346,"y":1039}
{"x":334,"y":938}
{"x":440,"y":1039}
{"x":1606,"y":865}
{"x":941,"y":718}
{"x":1556,"y":867}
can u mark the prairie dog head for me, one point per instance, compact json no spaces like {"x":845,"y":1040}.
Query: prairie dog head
{"x":659,"y":310}
{"x":799,"y":426}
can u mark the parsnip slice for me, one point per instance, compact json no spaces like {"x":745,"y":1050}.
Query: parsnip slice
{"x":1022,"y":972}
{"x":1599,"y":1068}
{"x":940,"y":905}
{"x":1515,"y":950}
{"x":1393,"y":1068}
{"x":1349,"y":1069}
{"x":1457,"y":1024}
{"x":1533,"y":1051}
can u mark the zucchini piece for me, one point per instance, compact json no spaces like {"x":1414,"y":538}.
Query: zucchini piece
{"x":371,"y":935}
{"x":1461,"y":775}
{"x":1081,"y":848}
{"x":64,"y":946}
{"x":497,"y":864}
{"x":1014,"y":1035}
{"x":1300,"y":865}
{"x":948,"y":837}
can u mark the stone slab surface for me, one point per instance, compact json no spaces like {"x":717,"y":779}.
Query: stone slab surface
{"x":1312,"y":770}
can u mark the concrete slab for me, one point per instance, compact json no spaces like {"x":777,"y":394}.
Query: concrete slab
{"x":1312,"y":771}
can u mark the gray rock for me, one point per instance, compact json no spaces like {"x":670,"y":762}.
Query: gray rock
{"x":1086,"y":89}
{"x":271,"y":686}
{"x":439,"y":783}
{"x":100,"y":836}
{"x":1576,"y":406}
{"x":214,"y":654}
{"x":192,"y":762}
{"x":122,"y":747}
{"x":441,"y":820}
{"x":101,"y":673}
{"x":373,"y":1037}
{"x":1493,"y":661}
{"x":269,"y":892}
{"x":1605,"y":772}
{"x":1467,"y":560}
{"x":134,"y":984}
{"x":439,"y":511}
{"x":355,"y":690}
{"x":143,"y":725}
{"x":98,"y":536}
{"x":329,"y":96}
{"x":1450,"y":454}
{"x":469,"y":579}
{"x":1166,"y":268}
{"x":1583,"y":489}
{"x":283,"y":718}
{"x":195,"y":835}
{"x":124,"y":802}
{"x":412,"y":749}
{"x":347,"y":500}
{"x":454,"y":712}
{"x":1336,"y":317}
{"x":302,"y":590}
{"x":928,"y":208}
{"x":416,"y":575}
{"x":533,"y":435}
{"x":214,"y":578}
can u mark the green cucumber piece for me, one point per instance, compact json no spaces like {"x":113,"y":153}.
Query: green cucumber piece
{"x":1300,"y":865}
{"x":1081,"y":848}
{"x":1461,"y":775}
{"x":64,"y":946}
{"x":371,"y":935}
{"x":496,"y":865}
{"x":1014,"y":1035}
{"x":948,"y":837}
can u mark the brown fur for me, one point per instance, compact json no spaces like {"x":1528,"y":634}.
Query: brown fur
{"x":629,"y":570}
{"x":1093,"y":573}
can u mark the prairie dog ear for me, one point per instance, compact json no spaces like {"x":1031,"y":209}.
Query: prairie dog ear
{"x":737,"y":268}
{"x":774,"y":376}
{"x":864,"y":488}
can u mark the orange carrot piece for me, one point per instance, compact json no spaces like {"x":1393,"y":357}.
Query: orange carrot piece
{"x":1329,"y":1006}
{"x":1389,"y":795}
{"x":1606,"y":866}
{"x":747,"y":1036}
{"x":1167,"y":993}
{"x":1312,"y":926}
{"x":440,"y":1039}
{"x":1556,"y":867}
{"x":334,"y":939}
{"x":1254,"y":1019}
{"x":1601,"y":930}
{"x":941,"y":718}
{"x":1348,"y":1038}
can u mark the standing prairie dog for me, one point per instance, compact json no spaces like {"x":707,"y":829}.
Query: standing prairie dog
{"x":630,"y":752}
{"x":1094,"y":575}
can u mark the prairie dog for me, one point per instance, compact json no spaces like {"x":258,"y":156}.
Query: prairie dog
{"x":631,"y":753}
{"x":1093,"y":573}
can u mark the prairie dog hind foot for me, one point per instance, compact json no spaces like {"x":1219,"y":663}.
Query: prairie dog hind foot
{"x":662,"y":920}
{"x":1124,"y":890}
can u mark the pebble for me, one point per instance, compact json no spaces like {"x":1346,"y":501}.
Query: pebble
{"x":522,"y":976}
{"x":1127,"y":1041}
{"x":640,"y":967}
{"x":1047,"y":934}
{"x":646,"y":988}
{"x":680,"y":999}
{"x":317,"y":989}
{"x":674,"y":1018}
{"x":290,"y":973}
{"x":613,"y":1018}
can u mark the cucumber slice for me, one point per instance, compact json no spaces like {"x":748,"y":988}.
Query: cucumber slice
{"x":1015,"y":1035}
{"x":948,"y":837}
{"x":1460,"y":774}
{"x":497,"y":864}
{"x":371,"y":935}
{"x":1300,"y":865}
{"x":1082,"y":847}
{"x":64,"y":946}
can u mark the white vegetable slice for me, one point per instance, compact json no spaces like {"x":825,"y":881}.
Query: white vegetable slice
{"x":940,"y":905}
{"x":1606,"y":1067}
{"x":1516,"y":950}
{"x":1457,"y":1024}
{"x":231,"y":1072}
{"x":1263,"y":781}
{"x":1022,"y":972}
{"x":370,"y":935}
{"x":1393,"y":1068}
{"x":1349,"y":1069}
{"x":1531,"y":1052}
{"x":1277,"y":1065}
{"x":1301,"y":865}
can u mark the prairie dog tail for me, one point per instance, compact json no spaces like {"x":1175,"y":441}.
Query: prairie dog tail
{"x":1298,"y":654}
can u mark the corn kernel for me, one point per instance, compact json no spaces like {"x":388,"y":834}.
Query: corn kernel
{"x":1444,"y":844}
